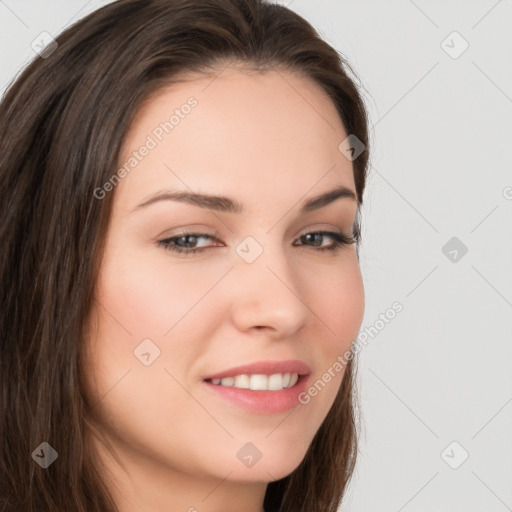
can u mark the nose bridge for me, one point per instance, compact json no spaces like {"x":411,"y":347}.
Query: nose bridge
{"x":268,"y":291}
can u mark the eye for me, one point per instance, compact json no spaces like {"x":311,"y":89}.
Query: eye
{"x":189,"y":243}
{"x":185,"y":243}
{"x":339,"y":240}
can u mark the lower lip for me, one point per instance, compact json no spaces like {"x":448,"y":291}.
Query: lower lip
{"x":263,"y":402}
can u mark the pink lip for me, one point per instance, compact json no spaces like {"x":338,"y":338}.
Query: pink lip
{"x":264,"y":368}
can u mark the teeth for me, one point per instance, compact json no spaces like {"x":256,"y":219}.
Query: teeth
{"x":227,"y":381}
{"x":258,"y":382}
{"x":274,"y":382}
{"x":242,"y":381}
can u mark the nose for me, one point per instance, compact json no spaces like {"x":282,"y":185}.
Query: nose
{"x":267,"y":296}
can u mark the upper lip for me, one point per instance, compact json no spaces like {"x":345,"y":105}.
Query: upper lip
{"x":263,"y":368}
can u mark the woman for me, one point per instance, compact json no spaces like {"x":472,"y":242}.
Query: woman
{"x":181,"y":188}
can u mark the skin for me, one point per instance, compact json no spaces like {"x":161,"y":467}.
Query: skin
{"x":270,"y":141}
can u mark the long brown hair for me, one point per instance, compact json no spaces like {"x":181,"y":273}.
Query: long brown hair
{"x":63,"y":121}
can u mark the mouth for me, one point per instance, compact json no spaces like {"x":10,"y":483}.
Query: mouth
{"x":258,"y":393}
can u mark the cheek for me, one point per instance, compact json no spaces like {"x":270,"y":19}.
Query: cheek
{"x":335,"y":294}
{"x":142,"y":298}
{"x":338,"y":300}
{"x":149,"y":296}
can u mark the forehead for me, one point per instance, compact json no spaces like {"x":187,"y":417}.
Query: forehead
{"x":233,"y":132}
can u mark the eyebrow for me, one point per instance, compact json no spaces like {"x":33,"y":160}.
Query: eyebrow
{"x":225,"y":204}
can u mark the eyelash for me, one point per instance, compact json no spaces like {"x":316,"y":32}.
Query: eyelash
{"x":340,"y":240}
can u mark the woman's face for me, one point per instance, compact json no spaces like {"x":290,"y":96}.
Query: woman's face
{"x":260,"y":289}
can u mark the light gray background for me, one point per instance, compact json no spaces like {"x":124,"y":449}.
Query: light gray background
{"x":440,"y":370}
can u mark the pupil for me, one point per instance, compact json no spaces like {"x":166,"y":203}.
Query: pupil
{"x":316,"y":238}
{"x":189,"y":240}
